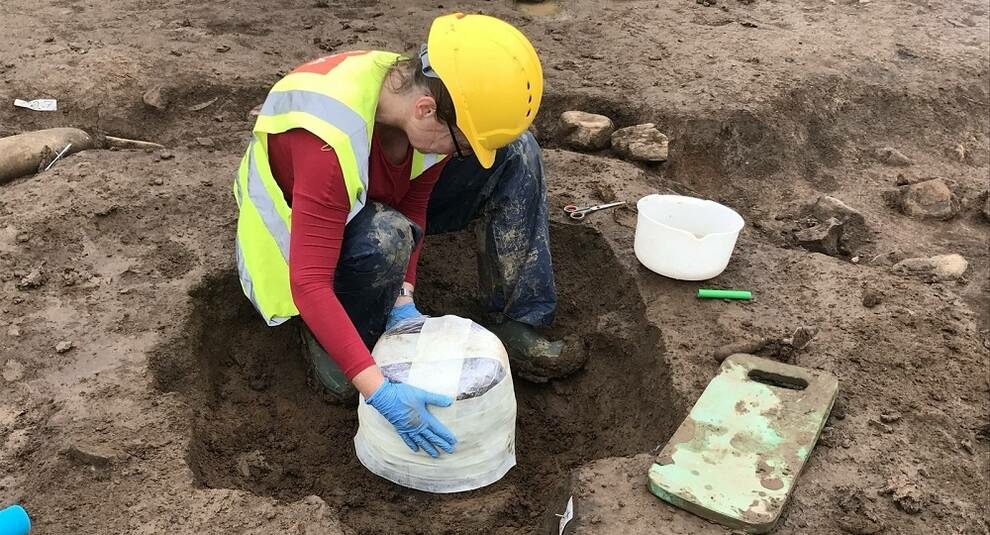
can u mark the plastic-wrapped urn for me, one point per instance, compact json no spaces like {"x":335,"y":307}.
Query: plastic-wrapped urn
{"x":458,"y":358}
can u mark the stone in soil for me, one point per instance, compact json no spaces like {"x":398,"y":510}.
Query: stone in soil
{"x":13,"y":370}
{"x":154,"y":98}
{"x":937,"y":268}
{"x":872,"y":298}
{"x":361,"y":26}
{"x":587,"y":131}
{"x":641,"y":143}
{"x":89,"y":455}
{"x":205,"y":142}
{"x":907,"y":496}
{"x":35,"y":279}
{"x":63,"y":346}
{"x":856,"y":229}
{"x":930,"y":199}
{"x":986,"y":206}
{"x":890,"y":417}
{"x":750,"y":347}
{"x":893,"y":157}
{"x":822,"y":238}
{"x":801,"y":337}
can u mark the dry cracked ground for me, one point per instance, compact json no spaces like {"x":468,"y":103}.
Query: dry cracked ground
{"x":139,"y":394}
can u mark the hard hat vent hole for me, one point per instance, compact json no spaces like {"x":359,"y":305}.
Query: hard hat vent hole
{"x":531,"y":99}
{"x":528,"y":112}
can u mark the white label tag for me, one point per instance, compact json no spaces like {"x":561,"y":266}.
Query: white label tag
{"x":41,"y":104}
{"x":567,"y":516}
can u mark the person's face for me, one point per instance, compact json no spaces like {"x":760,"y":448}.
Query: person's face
{"x":429,"y":135}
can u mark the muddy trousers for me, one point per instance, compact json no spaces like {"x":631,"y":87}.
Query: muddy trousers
{"x":507,"y":205}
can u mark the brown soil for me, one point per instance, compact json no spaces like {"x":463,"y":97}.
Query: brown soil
{"x":176,"y":411}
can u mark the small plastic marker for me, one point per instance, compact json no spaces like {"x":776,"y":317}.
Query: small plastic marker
{"x":741,"y":295}
{"x":14,"y":520}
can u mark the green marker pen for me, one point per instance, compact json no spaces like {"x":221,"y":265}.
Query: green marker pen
{"x":742,"y":295}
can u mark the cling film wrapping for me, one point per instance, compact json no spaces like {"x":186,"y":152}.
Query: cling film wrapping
{"x":458,"y":358}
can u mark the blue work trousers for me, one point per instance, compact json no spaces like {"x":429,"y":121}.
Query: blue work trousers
{"x":510,"y":202}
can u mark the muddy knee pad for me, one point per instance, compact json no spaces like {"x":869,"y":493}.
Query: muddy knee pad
{"x":395,"y":236}
{"x":324,"y":371}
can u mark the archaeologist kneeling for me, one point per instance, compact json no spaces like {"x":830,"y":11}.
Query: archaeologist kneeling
{"x":355,"y":155}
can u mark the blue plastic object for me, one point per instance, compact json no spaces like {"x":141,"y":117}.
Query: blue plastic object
{"x":14,"y":520}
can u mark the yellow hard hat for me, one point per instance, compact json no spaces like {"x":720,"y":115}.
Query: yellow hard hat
{"x":493,"y":75}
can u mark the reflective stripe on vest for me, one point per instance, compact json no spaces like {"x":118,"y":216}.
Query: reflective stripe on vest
{"x":334,"y":98}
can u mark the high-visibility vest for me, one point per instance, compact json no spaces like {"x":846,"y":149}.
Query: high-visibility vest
{"x":334,"y":98}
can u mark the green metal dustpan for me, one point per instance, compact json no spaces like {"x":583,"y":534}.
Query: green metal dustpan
{"x":735,"y":458}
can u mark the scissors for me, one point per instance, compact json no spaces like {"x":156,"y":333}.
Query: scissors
{"x":577,"y":213}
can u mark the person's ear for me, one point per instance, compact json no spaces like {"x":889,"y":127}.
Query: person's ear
{"x":425,"y":107}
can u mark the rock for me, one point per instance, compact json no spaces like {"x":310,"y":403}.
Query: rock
{"x":94,"y":456}
{"x":205,"y":141}
{"x":158,"y":181}
{"x":587,"y":131}
{"x":893,"y":157}
{"x":155,"y":99}
{"x":822,"y":238}
{"x":936,"y":268}
{"x":986,"y":206}
{"x":872,"y":298}
{"x":860,"y":515}
{"x":802,"y":336}
{"x":890,"y":417}
{"x":641,"y":143}
{"x":855,"y":234}
{"x":362,"y":26}
{"x":13,"y":370}
{"x":931,"y":199}
{"x":860,"y":525}
{"x":13,"y":331}
{"x":35,"y":279}
{"x":23,"y":237}
{"x":223,"y":48}
{"x":252,"y":463}
{"x":64,"y":346}
{"x":826,"y":207}
{"x":959,"y":152}
{"x":243,"y":468}
{"x":907,"y":496}
{"x":747,"y":347}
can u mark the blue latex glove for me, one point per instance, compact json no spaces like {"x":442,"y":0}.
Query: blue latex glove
{"x":402,"y":313}
{"x":404,"y":407}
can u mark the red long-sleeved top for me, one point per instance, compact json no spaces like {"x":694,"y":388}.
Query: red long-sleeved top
{"x":309,"y":174}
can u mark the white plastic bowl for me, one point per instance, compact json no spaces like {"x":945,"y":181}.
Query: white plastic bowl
{"x":685,"y":238}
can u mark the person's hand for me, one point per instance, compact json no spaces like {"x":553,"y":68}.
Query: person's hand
{"x":402,"y":313}
{"x":404,"y":407}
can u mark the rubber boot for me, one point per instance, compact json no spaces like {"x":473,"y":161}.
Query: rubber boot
{"x":532,"y":356}
{"x":323,"y":374}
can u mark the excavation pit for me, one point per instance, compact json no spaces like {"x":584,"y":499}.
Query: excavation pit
{"x":257,"y":426}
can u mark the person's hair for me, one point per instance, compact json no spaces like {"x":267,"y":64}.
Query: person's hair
{"x":407,"y":73}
